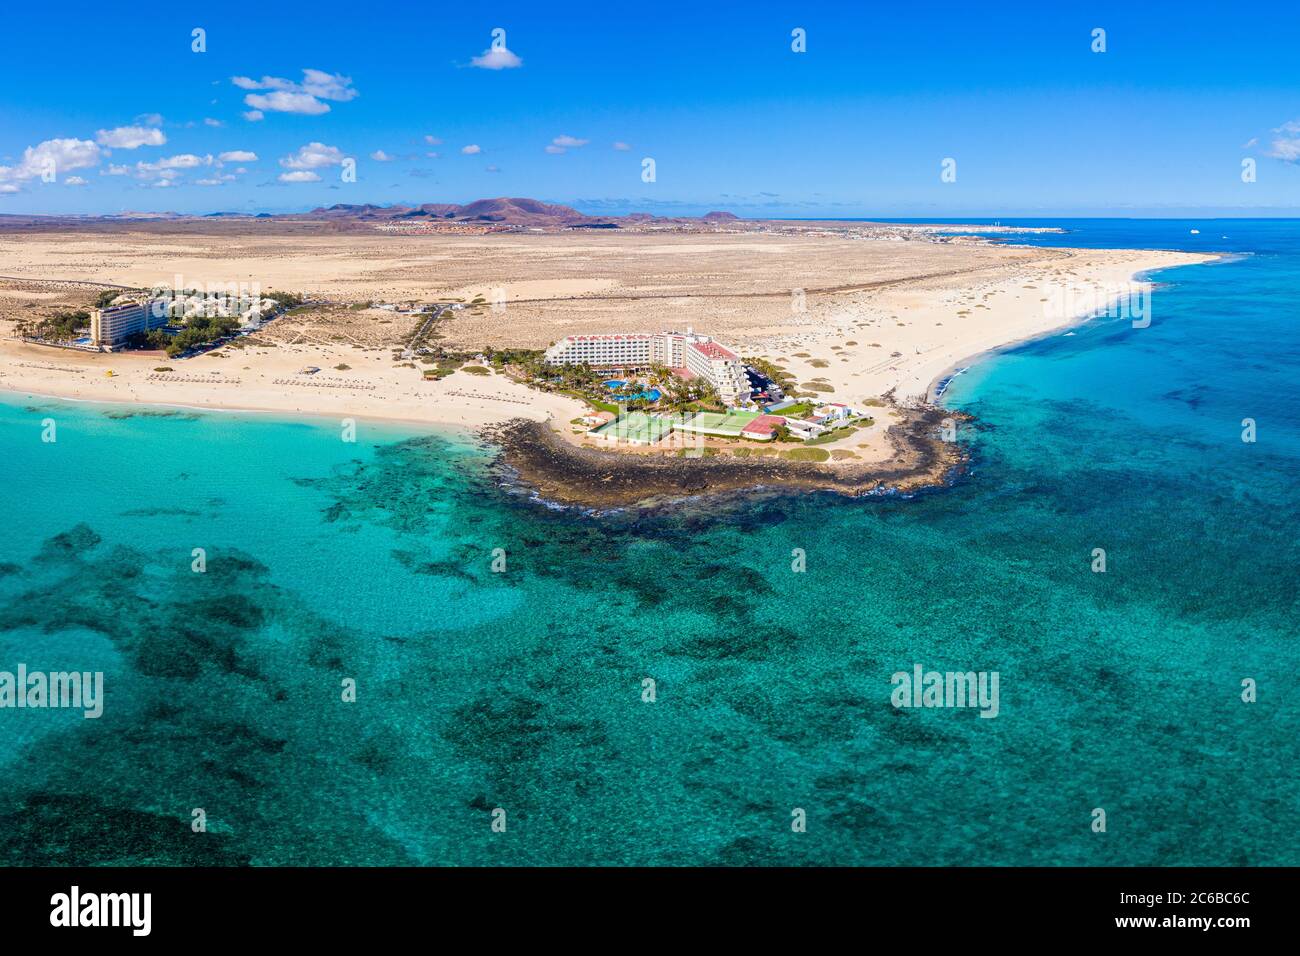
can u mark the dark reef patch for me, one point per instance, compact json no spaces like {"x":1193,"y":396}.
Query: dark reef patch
{"x":72,"y":829}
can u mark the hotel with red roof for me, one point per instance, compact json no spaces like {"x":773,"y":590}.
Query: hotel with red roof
{"x":688,"y":355}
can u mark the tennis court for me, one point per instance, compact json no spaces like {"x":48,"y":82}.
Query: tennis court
{"x":722,"y":424}
{"x":636,"y":428}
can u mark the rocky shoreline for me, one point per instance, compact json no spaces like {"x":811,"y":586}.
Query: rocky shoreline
{"x":564,"y":473}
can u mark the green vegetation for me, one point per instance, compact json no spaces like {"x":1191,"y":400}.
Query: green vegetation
{"x":806,"y":454}
{"x":63,"y":326}
{"x":442,"y":367}
{"x":530,"y":360}
{"x":696,"y":395}
{"x":198,"y":330}
{"x":596,"y":403}
{"x":474,"y":370}
{"x":825,"y":438}
{"x":342,"y":366}
{"x":774,"y":372}
{"x":796,"y":411}
{"x":105,"y":298}
{"x":818,"y":387}
{"x":164,"y":368}
{"x":288,"y":300}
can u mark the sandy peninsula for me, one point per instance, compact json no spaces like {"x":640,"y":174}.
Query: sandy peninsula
{"x":852,"y":317}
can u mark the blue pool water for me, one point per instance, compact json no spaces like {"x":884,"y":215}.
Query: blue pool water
{"x":648,"y":394}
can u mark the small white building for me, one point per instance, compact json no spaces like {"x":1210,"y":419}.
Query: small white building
{"x":800,"y":428}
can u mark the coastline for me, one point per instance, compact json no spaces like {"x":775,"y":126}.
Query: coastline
{"x":145,"y":408}
{"x":371,"y":389}
{"x":938,"y":319}
{"x":560,"y":472}
{"x":1140,"y":278}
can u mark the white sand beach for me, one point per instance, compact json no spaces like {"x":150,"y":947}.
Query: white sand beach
{"x":852,"y":320}
{"x":271,"y":381}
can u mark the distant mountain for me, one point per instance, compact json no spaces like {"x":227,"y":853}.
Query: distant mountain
{"x":504,"y":211}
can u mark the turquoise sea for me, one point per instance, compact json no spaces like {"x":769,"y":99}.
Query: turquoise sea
{"x":523,"y":689}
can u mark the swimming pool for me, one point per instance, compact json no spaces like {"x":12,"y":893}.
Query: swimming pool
{"x":646,"y":394}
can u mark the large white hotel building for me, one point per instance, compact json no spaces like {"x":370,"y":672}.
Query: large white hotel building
{"x":111,"y":327}
{"x":688,"y":355}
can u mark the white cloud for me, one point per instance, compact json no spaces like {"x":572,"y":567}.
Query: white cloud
{"x":254,"y":116}
{"x":492,"y":169}
{"x":1287,"y":149}
{"x":209,"y":121}
{"x":433,"y":141}
{"x":238,"y":156}
{"x":562,"y":144}
{"x":130,"y":137}
{"x":74,"y":181}
{"x":312,"y":156}
{"x":299,"y":177}
{"x":220,"y":179}
{"x":473,"y":149}
{"x":621,"y":146}
{"x":305,"y":97}
{"x":8,"y":188}
{"x":282,"y":102}
{"x":181,"y":161}
{"x":165,"y":171}
{"x":501,"y":59}
{"x":58,"y":155}
{"x":1286,"y":144}
{"x":380,"y":156}
{"x":149,"y":119}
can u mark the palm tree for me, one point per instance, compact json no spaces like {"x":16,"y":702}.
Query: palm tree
{"x":705,"y":393}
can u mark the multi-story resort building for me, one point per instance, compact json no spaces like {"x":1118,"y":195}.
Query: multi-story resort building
{"x":111,"y":327}
{"x":687,"y":354}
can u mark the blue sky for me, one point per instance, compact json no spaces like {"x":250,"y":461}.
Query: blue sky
{"x":858,"y":125}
